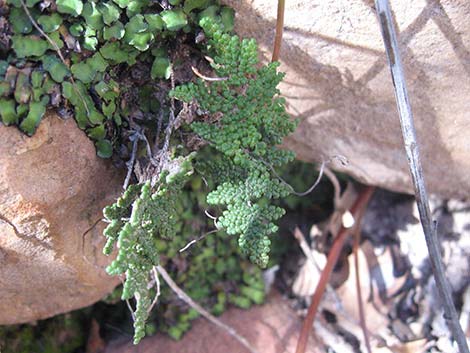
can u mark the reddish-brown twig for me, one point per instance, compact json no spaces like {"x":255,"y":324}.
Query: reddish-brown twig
{"x":360,"y":204}
{"x":281,"y":4}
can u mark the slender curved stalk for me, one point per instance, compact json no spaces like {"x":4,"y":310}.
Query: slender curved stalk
{"x":356,"y":210}
{"x":414,"y":162}
{"x":183,"y":296}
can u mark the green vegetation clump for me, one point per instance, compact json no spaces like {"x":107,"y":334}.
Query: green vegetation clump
{"x":250,"y":122}
{"x":243,"y":120}
{"x":75,"y":56}
{"x":108,"y":65}
{"x":152,"y":216}
{"x":61,"y":334}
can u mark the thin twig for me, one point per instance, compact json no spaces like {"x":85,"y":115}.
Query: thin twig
{"x":171,"y":119}
{"x":414,"y":162}
{"x":159,"y":129}
{"x":194,"y":241}
{"x":183,"y":296}
{"x":130,"y":163}
{"x":333,"y":256}
{"x":297,"y":193}
{"x":157,"y":286}
{"x":207,"y":78}
{"x":336,"y":186}
{"x":311,"y":188}
{"x":309,"y":255}
{"x":281,"y":4}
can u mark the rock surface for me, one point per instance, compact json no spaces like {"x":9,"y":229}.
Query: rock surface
{"x":271,"y":328}
{"x":52,"y":191}
{"x":338,"y":85}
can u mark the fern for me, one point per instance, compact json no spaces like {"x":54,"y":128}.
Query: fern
{"x":152,"y":217}
{"x":250,"y":121}
{"x":244,"y":120}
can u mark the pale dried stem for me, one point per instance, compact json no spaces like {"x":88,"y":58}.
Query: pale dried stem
{"x":414,"y":162}
{"x":157,"y":288}
{"x":183,"y":296}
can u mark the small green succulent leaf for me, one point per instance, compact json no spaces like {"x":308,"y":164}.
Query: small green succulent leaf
{"x":161,"y":68}
{"x":8,"y":111}
{"x":190,"y":5}
{"x":76,"y":29}
{"x":37,"y":77}
{"x":104,"y":148}
{"x":97,"y":62}
{"x":135,"y":7}
{"x":20,"y":23}
{"x":90,"y":43}
{"x":116,"y":31}
{"x":92,"y":16}
{"x":112,"y":51}
{"x":22,"y":88}
{"x":68,"y":90}
{"x":32,"y":45}
{"x":55,"y":37}
{"x":22,"y":110}
{"x":101,"y":88}
{"x":78,"y":95}
{"x":97,"y":133}
{"x":50,"y":23}
{"x":141,"y":41}
{"x":174,"y":19}
{"x":155,"y":22}
{"x":209,"y":14}
{"x":135,"y":25}
{"x":70,"y":7}
{"x":5,"y":89}
{"x":255,"y":295}
{"x":122,"y":3}
{"x":95,"y":117}
{"x":51,"y":87}
{"x":110,"y":12}
{"x":83,"y":72}
{"x":109,"y":109}
{"x":32,"y":120}
{"x":55,"y":67}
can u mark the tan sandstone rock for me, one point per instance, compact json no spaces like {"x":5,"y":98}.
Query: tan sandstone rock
{"x":270,"y":328}
{"x":338,"y":84}
{"x":52,"y":191}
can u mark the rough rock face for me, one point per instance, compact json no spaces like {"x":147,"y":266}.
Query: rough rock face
{"x":52,"y":191}
{"x":338,"y":85}
{"x":271,"y":328}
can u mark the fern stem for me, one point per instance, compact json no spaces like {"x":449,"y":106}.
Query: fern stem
{"x":281,"y":4}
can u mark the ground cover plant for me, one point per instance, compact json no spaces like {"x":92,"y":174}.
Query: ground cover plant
{"x":81,"y":57}
{"x":169,"y":93}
